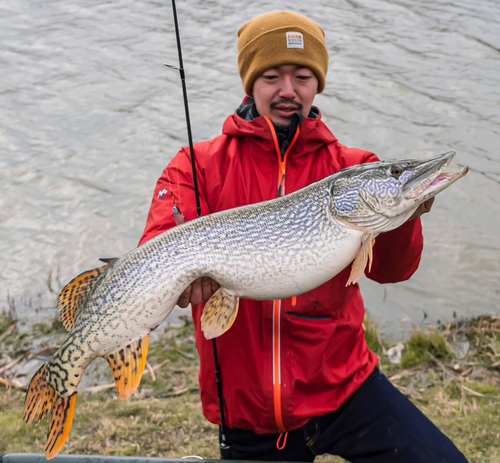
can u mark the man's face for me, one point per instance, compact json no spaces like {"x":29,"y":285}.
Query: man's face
{"x":280,"y":92}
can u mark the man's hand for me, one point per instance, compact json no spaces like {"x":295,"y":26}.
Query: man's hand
{"x":423,"y":209}
{"x":200,"y":290}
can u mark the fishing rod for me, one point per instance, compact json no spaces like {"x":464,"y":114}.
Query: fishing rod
{"x":186,"y":109}
{"x":225,"y":448}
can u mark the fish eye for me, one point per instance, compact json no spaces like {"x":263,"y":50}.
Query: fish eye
{"x":396,"y":171}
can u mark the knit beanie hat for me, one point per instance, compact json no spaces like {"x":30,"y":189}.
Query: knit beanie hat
{"x":278,"y":38}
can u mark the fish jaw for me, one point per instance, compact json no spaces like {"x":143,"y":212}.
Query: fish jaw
{"x":441,"y":181}
{"x":430,"y":179}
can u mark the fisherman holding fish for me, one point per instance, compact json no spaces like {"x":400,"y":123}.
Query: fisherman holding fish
{"x":290,"y":218}
{"x":298,"y":377}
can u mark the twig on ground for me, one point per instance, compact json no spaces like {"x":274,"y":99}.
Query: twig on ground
{"x":445,"y":369}
{"x":9,"y":330}
{"x":157,"y":367}
{"x":11,"y":364}
{"x":101,"y":387}
{"x":12,"y":383}
{"x":177,"y":392}
{"x":151,"y":371}
{"x":407,"y":392}
{"x":408,"y":372}
{"x":185,"y":354}
{"x":470,"y":391}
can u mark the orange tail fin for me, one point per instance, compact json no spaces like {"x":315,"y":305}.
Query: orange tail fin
{"x":61,"y":419}
{"x":42,"y":395}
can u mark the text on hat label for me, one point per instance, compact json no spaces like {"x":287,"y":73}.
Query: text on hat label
{"x":294,"y":40}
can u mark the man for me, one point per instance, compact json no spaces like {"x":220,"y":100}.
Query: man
{"x":298,"y":378}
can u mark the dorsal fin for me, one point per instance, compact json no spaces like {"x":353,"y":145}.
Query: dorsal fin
{"x":108,"y":260}
{"x":128,"y":365}
{"x":74,"y":293}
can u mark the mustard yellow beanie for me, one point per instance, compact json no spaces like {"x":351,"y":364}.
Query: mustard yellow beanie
{"x":278,"y":38}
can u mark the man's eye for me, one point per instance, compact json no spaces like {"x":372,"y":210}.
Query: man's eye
{"x":303,"y":78}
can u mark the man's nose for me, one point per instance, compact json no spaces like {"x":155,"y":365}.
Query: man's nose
{"x":287,"y":89}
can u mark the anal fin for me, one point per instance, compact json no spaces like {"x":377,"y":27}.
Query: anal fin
{"x":128,"y":364}
{"x":74,"y":293}
{"x":219,"y":313}
{"x":364,"y":256}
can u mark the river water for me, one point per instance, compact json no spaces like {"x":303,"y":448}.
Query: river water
{"x":90,"y":116}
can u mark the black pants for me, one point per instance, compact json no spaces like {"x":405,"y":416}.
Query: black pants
{"x":378,"y":424}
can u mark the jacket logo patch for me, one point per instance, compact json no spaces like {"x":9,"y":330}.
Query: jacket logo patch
{"x":162,"y":193}
{"x":294,"y":40}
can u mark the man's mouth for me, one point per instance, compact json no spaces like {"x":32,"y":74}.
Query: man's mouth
{"x":286,"y":106}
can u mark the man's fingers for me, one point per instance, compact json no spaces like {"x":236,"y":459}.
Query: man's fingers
{"x":215,"y":285}
{"x":201,"y":289}
{"x":183,"y":301}
{"x":428,"y":204}
{"x":206,"y":288}
{"x":423,"y":209}
{"x":196,"y":292}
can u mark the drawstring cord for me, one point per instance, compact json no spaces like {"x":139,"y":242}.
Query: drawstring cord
{"x":282,"y":446}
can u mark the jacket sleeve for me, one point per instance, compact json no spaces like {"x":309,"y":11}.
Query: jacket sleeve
{"x":174,"y":187}
{"x":396,"y":254}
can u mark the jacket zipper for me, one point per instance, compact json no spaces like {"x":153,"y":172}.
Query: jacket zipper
{"x":278,"y":415}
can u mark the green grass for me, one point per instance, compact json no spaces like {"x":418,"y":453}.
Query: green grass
{"x":422,"y":347}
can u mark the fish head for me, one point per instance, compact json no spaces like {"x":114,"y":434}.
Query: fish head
{"x":380,"y":196}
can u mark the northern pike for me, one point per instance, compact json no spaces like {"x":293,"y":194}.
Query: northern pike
{"x":271,"y":250}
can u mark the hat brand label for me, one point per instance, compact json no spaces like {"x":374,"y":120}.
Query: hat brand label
{"x":294,"y":40}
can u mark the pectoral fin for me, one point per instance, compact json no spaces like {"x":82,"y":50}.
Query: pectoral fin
{"x":364,"y":256}
{"x":128,"y":366}
{"x":219,"y":313}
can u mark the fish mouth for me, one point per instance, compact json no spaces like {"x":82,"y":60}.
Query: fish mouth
{"x":430,"y":179}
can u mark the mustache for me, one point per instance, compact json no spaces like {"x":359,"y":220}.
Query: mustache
{"x":287,"y":101}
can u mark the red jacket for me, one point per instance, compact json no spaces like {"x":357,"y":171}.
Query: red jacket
{"x":282,"y":362}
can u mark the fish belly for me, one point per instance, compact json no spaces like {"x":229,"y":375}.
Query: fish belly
{"x":265,"y":277}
